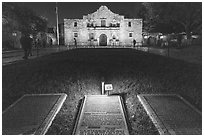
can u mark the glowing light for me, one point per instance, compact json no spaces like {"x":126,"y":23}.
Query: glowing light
{"x":161,"y":37}
{"x":145,"y":37}
{"x":14,"y":34}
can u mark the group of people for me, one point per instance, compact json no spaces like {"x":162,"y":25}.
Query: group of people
{"x":165,"y":40}
{"x":27,"y":43}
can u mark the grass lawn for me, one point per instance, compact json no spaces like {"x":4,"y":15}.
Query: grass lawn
{"x":192,"y":54}
{"x":79,"y":72}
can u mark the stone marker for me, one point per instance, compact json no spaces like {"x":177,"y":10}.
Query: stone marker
{"x":172,"y":114}
{"x":31,"y":114}
{"x":101,"y":115}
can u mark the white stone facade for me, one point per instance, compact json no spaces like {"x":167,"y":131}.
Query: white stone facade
{"x":103,"y":28}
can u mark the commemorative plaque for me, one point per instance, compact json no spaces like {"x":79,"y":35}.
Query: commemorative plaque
{"x":31,"y":114}
{"x":101,"y":115}
{"x":172,"y":114}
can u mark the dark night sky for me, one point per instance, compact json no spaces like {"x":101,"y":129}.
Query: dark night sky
{"x":78,"y":9}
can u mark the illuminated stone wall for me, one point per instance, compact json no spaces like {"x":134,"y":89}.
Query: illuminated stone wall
{"x":117,"y":29}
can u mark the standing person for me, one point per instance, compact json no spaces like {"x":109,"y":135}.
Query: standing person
{"x":44,"y":43}
{"x":179,"y":40}
{"x":38,"y":45}
{"x":134,"y":42}
{"x":30,"y":47}
{"x":158,"y":41}
{"x":51,"y":42}
{"x":75,"y":42}
{"x":148,"y":43}
{"x":26,"y":42}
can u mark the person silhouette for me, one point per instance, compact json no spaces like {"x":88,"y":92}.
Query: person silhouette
{"x":134,"y":42}
{"x":26,"y":43}
{"x":75,"y":42}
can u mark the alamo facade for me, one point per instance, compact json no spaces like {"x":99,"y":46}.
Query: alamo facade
{"x":103,"y":28}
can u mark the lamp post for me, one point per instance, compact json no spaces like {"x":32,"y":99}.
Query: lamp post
{"x":57,"y":25}
{"x":102,"y":89}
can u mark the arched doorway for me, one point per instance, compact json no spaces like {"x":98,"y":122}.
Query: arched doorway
{"x":103,"y":40}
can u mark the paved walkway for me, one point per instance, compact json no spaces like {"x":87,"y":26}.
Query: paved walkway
{"x":9,"y":57}
{"x":101,"y":115}
{"x":171,"y":114}
{"x":190,"y":54}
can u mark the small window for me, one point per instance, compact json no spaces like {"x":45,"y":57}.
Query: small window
{"x":103,"y":23}
{"x":88,"y":25}
{"x":129,"y":24}
{"x":75,"y":24}
{"x":91,"y":36}
{"x":130,"y":34}
{"x":75,"y":34}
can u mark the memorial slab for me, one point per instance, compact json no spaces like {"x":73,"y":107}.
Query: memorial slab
{"x":172,"y":114}
{"x":31,"y":114}
{"x":101,"y":115}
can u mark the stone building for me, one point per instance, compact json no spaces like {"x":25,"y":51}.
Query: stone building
{"x":103,"y":28}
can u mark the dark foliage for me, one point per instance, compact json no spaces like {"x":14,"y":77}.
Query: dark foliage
{"x":19,"y":18}
{"x":179,"y":16}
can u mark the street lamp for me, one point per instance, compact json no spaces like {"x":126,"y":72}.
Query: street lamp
{"x":57,"y":24}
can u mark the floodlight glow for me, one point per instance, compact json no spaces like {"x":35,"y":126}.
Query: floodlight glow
{"x":14,"y":34}
{"x":145,"y":37}
{"x":108,"y":87}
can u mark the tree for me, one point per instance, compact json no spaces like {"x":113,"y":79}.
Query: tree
{"x":20,"y":18}
{"x":9,"y":25}
{"x":186,"y":16}
{"x":150,"y":19}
